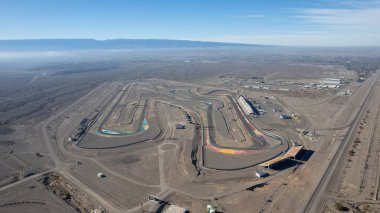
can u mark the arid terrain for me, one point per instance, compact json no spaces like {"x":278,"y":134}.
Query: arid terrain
{"x":154,"y":130}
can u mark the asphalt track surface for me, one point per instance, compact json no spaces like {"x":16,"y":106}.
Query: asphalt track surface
{"x":117,"y":105}
{"x":129,"y":89}
{"x":315,"y":198}
{"x":92,"y":141}
{"x":102,"y":140}
{"x":106,"y":141}
{"x":220,"y":124}
{"x":64,"y":168}
{"x":214,"y":155}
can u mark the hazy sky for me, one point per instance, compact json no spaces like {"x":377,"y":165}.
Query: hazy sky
{"x":281,"y":22}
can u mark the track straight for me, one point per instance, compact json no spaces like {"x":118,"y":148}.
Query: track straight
{"x":320,"y":189}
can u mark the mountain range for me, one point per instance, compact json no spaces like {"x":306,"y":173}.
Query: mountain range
{"x":86,"y":44}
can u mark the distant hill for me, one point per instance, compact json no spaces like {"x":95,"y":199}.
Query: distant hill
{"x":85,"y":44}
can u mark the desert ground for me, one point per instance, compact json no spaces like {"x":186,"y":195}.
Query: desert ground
{"x":147,"y":130}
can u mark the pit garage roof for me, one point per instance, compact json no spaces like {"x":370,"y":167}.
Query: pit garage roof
{"x":274,"y":161}
{"x":292,"y":153}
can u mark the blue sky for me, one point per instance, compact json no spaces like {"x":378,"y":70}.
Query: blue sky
{"x":281,"y":22}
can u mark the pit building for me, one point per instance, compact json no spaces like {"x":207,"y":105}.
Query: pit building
{"x":247,"y":108}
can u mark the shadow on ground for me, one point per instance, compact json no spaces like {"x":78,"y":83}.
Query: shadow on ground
{"x":304,"y":155}
{"x":285,"y":164}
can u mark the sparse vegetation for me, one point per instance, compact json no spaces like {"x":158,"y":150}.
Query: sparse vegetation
{"x":29,"y":103}
{"x":340,"y":207}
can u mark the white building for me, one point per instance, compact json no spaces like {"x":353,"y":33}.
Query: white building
{"x":331,"y":81}
{"x":261,"y":174}
{"x":210,"y":209}
{"x":245,"y":106}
